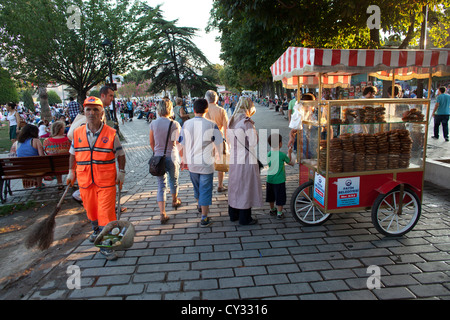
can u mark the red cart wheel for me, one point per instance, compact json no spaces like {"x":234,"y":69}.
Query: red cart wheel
{"x":391,"y":219}
{"x":303,"y":207}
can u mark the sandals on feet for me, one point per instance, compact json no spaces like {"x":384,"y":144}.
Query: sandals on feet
{"x":176,"y":204}
{"x":164,"y":219}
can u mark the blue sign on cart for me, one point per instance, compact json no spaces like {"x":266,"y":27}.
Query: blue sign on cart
{"x":348,"y":192}
{"x":319,"y":189}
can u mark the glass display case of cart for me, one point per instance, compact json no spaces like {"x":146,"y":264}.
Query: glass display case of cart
{"x":365,"y":135}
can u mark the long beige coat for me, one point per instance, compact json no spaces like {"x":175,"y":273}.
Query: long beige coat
{"x":244,"y":181}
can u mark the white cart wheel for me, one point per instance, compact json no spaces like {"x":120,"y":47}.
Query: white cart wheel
{"x":303,"y":207}
{"x":389,"y":220}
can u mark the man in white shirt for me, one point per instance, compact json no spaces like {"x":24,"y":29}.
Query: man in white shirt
{"x":199,"y":137}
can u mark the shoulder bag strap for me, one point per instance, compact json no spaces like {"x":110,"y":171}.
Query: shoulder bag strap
{"x":247,"y":148}
{"x":167,"y":139}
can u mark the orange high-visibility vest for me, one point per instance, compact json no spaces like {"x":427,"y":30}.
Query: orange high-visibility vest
{"x":97,"y":164}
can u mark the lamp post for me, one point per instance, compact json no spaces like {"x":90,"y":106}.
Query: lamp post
{"x":108,"y":49}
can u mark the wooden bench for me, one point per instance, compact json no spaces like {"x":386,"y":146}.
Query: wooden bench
{"x":30,"y":167}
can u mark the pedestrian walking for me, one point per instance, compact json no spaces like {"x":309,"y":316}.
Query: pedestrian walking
{"x":180,"y":112}
{"x":227,"y":102}
{"x":199,"y":137}
{"x":107,"y":97}
{"x":130,"y":110}
{"x":219,"y":116}
{"x":233,"y":101}
{"x":441,"y":114}
{"x":93,"y":155}
{"x":244,"y":181}
{"x":159,"y":137}
{"x":74,"y":109}
{"x":276,"y":176}
{"x":13,"y":120}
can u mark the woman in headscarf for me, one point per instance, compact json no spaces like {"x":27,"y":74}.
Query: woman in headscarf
{"x":244,"y":181}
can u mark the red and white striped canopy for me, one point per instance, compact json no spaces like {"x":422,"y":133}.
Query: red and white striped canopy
{"x":407,"y":64}
{"x":312,"y":81}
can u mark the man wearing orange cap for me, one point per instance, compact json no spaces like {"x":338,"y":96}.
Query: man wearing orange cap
{"x":95,"y":148}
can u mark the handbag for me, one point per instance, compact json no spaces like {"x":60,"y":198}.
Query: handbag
{"x":157,"y":164}
{"x":224,"y":165}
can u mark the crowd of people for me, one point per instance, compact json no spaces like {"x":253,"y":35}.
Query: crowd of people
{"x":207,"y":142}
{"x":199,"y":143}
{"x":219,"y":136}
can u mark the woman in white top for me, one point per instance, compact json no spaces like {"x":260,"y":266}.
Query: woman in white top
{"x":44,"y":131}
{"x":14,"y":120}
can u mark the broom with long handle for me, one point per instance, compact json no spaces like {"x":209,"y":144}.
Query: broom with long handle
{"x":42,"y":235}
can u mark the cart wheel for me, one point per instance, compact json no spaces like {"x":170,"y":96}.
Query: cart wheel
{"x":303,"y":207}
{"x":385,"y":212}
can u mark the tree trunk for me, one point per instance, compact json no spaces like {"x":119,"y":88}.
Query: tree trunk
{"x":81,"y":96}
{"x":410,"y":33}
{"x":374,"y":38}
{"x":272,"y":89}
{"x":420,"y":84}
{"x":43,"y":98}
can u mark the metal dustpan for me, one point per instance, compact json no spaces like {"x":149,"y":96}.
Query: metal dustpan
{"x":126,"y":239}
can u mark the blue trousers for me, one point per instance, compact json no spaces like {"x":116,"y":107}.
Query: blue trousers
{"x":203,"y":186}
{"x":173,"y":170}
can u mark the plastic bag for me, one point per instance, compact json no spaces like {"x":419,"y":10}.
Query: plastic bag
{"x":296,"y":118}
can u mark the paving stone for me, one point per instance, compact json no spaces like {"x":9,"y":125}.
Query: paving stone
{"x":257,"y":292}
{"x":201,"y":285}
{"x":125,"y":290}
{"x":236,"y":282}
{"x":222,"y":294}
{"x":393,"y":293}
{"x":293,"y":289}
{"x":329,"y":286}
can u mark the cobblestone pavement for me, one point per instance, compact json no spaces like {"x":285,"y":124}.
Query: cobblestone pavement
{"x":274,"y":259}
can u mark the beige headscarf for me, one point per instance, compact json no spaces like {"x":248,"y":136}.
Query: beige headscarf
{"x":244,"y":109}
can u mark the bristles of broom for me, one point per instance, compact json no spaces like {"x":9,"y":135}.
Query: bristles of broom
{"x":42,"y":235}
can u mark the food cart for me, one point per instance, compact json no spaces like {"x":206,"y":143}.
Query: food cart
{"x":361,"y":154}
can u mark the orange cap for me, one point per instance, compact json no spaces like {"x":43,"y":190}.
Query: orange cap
{"x":93,"y":101}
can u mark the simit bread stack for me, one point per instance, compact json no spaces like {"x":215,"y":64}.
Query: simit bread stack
{"x":383,"y":150}
{"x":323,"y":155}
{"x":413,"y":115}
{"x":336,"y":157}
{"x":379,"y":114}
{"x":405,"y":148}
{"x":367,"y":152}
{"x":360,"y":152}
{"x":369,"y":115}
{"x":348,"y":152}
{"x":394,"y":149}
{"x":371,"y":144}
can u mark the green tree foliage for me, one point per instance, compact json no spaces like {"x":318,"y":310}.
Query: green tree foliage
{"x":174,"y":59}
{"x":38,"y":43}
{"x":26,"y":96}
{"x":8,"y":91}
{"x":53,"y":98}
{"x":254,"y":33}
{"x":212,"y":72}
{"x":94,"y":93}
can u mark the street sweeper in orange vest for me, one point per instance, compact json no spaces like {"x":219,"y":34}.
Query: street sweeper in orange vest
{"x":93,"y":155}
